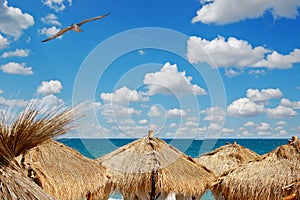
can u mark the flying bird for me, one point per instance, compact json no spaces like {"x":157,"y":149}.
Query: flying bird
{"x":74,"y":27}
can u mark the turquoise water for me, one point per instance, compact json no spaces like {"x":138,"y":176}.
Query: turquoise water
{"x":95,"y":148}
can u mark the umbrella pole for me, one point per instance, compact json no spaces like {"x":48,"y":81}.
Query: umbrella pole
{"x":153,"y":181}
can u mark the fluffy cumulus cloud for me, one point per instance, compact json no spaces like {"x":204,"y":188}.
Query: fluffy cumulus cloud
{"x":57,"y":5}
{"x":232,"y":52}
{"x":154,"y":111}
{"x":1,"y":91}
{"x":170,"y":81}
{"x":12,"y":102}
{"x":176,"y":113}
{"x":124,"y":95}
{"x":249,"y":124}
{"x":16,"y":53}
{"x":229,"y":11}
{"x":16,"y":68}
{"x":263,"y":127}
{"x":49,"y":31}
{"x":287,"y":103}
{"x":50,"y":87}
{"x":244,"y":107}
{"x":115,"y":113}
{"x":3,"y":42}
{"x":51,"y":19}
{"x":13,"y":20}
{"x":279,"y":61}
{"x":280,"y":112}
{"x":263,"y":95}
{"x":213,"y":114}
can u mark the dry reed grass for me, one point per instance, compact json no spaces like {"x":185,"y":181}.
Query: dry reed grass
{"x":65,"y":173}
{"x":226,"y":158}
{"x":132,"y":167}
{"x":29,"y":129}
{"x":265,"y":179}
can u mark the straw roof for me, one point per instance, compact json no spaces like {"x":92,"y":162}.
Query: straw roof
{"x":226,"y":158}
{"x":30,"y":128}
{"x":265,"y":179}
{"x":65,"y":173}
{"x":150,"y":162}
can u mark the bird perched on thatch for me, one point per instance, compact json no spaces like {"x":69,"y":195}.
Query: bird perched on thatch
{"x":74,"y":27}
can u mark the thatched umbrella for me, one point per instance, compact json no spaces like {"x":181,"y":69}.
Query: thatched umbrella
{"x":65,"y":173}
{"x":17,"y":136}
{"x":226,"y":158}
{"x":149,"y":168}
{"x":264,"y":179}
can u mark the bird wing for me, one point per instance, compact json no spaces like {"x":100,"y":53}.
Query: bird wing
{"x":59,"y":33}
{"x":92,"y":19}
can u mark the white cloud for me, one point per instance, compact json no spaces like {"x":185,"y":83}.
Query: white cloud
{"x":224,"y":53}
{"x":244,"y":107}
{"x":279,"y":128}
{"x":278,"y":61}
{"x":256,"y":72}
{"x":249,"y":124}
{"x":170,"y":81}
{"x":230,"y":11}
{"x":191,"y":124}
{"x":227,"y":130}
{"x":263,"y":127}
{"x":115,"y":112}
{"x":13,"y":102}
{"x":173,"y":125}
{"x":175,"y":112}
{"x":281,"y":123}
{"x":57,"y":5}
{"x":48,"y":102}
{"x":16,"y":68}
{"x":143,"y":121}
{"x":263,"y":95}
{"x":213,"y":114}
{"x":286,"y":102}
{"x":3,"y":42}
{"x":283,"y":132}
{"x":16,"y":53}
{"x":50,"y":87}
{"x":264,"y":133}
{"x":49,"y":31}
{"x":51,"y":19}
{"x":1,"y":91}
{"x":280,"y":112}
{"x":215,"y":127}
{"x":124,"y":95}
{"x":13,"y":20}
{"x":233,"y":52}
{"x":231,"y":73}
{"x":154,"y":111}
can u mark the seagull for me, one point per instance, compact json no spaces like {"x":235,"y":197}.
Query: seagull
{"x":74,"y":27}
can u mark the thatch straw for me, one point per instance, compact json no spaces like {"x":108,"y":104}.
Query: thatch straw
{"x":134,"y":166}
{"x":227,"y":158}
{"x":29,"y":129}
{"x":65,"y":173}
{"x":265,"y":179}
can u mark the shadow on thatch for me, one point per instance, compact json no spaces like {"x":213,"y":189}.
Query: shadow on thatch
{"x":32,"y":127}
{"x":65,"y":173}
{"x":227,"y":158}
{"x":265,"y":179}
{"x":149,"y":167}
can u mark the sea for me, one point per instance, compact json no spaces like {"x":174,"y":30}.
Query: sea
{"x":95,"y":148}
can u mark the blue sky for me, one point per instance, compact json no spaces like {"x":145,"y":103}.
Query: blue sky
{"x":184,"y":68}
